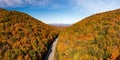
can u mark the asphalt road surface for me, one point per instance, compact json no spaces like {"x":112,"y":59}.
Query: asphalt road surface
{"x":51,"y":52}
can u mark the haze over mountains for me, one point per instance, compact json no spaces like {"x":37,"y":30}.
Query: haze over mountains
{"x":57,"y":24}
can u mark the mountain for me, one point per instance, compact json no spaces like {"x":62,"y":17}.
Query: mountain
{"x":22,"y":37}
{"x":96,"y":37}
{"x":55,"y":24}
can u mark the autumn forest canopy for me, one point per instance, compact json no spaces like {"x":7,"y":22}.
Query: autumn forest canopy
{"x":96,"y":37}
{"x":22,"y":37}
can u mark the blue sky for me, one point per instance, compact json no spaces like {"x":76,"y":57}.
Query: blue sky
{"x":60,"y":11}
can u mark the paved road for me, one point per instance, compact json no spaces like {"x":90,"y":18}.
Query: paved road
{"x":51,"y":52}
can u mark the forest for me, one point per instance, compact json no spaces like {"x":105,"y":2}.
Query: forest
{"x":96,"y":37}
{"x":23,"y":37}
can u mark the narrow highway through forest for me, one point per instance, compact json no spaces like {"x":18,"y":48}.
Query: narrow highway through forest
{"x":51,"y":52}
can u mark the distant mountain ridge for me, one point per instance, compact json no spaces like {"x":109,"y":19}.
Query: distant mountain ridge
{"x":60,"y":24}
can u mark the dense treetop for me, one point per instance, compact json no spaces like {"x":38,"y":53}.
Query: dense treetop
{"x":22,"y":37}
{"x":96,"y":37}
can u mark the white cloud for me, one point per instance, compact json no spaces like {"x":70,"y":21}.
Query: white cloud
{"x":96,"y":5}
{"x":37,"y":2}
{"x":9,"y":3}
{"x":88,"y":5}
{"x":19,"y":3}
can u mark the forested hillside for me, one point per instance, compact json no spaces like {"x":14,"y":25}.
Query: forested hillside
{"x":22,"y":37}
{"x":96,"y":37}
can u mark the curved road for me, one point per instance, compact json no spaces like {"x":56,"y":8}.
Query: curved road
{"x":51,"y":52}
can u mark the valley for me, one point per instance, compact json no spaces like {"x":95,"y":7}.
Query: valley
{"x":96,"y":37}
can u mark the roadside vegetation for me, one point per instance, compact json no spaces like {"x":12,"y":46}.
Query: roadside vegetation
{"x":22,"y":37}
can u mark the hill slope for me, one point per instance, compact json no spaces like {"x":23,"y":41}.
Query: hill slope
{"x":96,"y":37}
{"x":24,"y":38}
